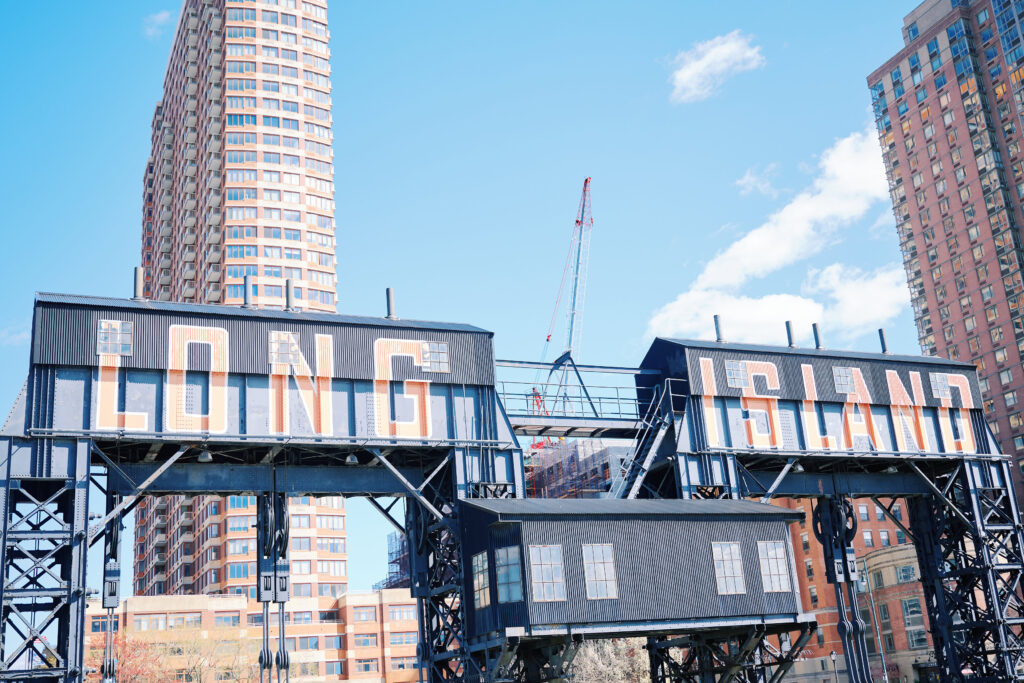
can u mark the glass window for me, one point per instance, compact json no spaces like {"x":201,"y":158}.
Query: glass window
{"x":508,"y":568}
{"x":481,"y":581}
{"x":546,"y":574}
{"x":114,"y":337}
{"x":863,"y":512}
{"x":869,"y":539}
{"x":884,"y":537}
{"x":728,"y":568}
{"x":905,"y":573}
{"x":774,"y":568}
{"x":364,"y":614}
{"x":402,"y":612}
{"x":366,"y":665}
{"x":599,"y":571}
{"x":365,"y":639}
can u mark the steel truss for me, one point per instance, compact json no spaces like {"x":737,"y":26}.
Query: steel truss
{"x":742,"y":654}
{"x":964,"y":522}
{"x":42,"y":559}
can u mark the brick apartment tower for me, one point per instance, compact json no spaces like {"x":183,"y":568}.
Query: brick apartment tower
{"x":240,"y":182}
{"x":948,"y":110}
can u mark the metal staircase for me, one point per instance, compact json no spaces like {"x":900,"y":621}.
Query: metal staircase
{"x":655,"y":426}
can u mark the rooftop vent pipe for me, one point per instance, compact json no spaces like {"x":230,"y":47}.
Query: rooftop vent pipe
{"x":718,"y":329}
{"x":390,"y":294}
{"x":817,"y":335}
{"x":789,"y":334}
{"x":140,"y":284}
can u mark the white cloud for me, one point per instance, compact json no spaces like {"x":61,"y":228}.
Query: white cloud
{"x":859,"y":302}
{"x":846,"y":300}
{"x":850,"y":180}
{"x":153,"y":25}
{"x":759,"y":181}
{"x":15,"y":335}
{"x":744,"y":318}
{"x":702,"y":68}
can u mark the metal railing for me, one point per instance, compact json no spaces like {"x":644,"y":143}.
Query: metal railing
{"x":573,"y":400}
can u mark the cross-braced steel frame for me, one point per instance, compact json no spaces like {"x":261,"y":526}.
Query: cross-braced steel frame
{"x":964,"y":522}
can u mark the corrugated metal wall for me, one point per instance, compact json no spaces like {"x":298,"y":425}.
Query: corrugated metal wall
{"x":664,"y":569}
{"x":65,"y":334}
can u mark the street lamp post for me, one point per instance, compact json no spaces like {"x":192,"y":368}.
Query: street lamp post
{"x":874,"y":623}
{"x":835,"y":669}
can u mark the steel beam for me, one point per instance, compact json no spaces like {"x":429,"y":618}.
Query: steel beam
{"x":855,"y":484}
{"x":195,"y":478}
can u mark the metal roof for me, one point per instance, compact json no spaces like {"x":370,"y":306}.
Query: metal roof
{"x":810,"y":351}
{"x":238,"y":312}
{"x":531,"y":507}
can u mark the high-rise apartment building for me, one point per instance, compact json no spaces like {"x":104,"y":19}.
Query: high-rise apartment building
{"x":240,"y":180}
{"x":948,"y":108}
{"x":240,"y":183}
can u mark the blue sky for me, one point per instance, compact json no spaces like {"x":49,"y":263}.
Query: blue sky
{"x":734,"y":169}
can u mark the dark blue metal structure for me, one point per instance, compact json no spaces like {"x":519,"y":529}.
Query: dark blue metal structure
{"x":133,"y":398}
{"x":615,"y":576}
{"x":733,"y":420}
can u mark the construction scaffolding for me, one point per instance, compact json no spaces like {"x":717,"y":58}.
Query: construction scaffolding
{"x":574,"y":468}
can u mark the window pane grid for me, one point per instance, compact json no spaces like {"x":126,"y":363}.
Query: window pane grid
{"x":599,"y":570}
{"x":481,"y":581}
{"x":728,"y":568}
{"x":510,"y":583}
{"x":546,"y":575}
{"x":774,"y":569}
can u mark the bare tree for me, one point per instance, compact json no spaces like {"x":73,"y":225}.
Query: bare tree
{"x":622,"y":660}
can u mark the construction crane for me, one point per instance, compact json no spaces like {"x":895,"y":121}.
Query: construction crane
{"x":553,"y":394}
{"x":574,"y":279}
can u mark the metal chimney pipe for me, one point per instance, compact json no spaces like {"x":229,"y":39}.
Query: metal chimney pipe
{"x":817,"y":335}
{"x":390,"y":295}
{"x":247,"y":291}
{"x":718,"y":329}
{"x":881,"y":339}
{"x":140,"y":284}
{"x":789,"y":334}
{"x":289,"y":295}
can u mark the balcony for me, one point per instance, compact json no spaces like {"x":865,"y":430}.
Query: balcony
{"x":191,"y":71}
{"x":213,"y":109}
{"x":213,"y":92}
{"x":190,"y":185}
{"x":213,"y":217}
{"x":189,"y":271}
{"x":190,"y":170}
{"x":189,"y":290}
{"x":165,"y":228}
{"x":213,"y":180}
{"x":213,"y":144}
{"x":189,"y":234}
{"x":191,"y":103}
{"x":214,"y":235}
{"x":190,"y":202}
{"x":166,"y":182}
{"x":167,"y":154}
{"x":190,"y":152}
{"x":191,"y":121}
{"x":213,"y":163}
{"x":213,"y":254}
{"x":191,"y":88}
{"x":213,"y":198}
{"x":164,"y":245}
{"x":165,"y":276}
{"x":192,"y":55}
{"x":213,"y":127}
{"x":213,"y":292}
{"x":168,"y":136}
{"x":215,"y":22}
{"x":188,"y":254}
{"x":164,"y":294}
{"x":215,"y":75}
{"x":213,"y":272}
{"x":193,"y":23}
{"x":215,"y":40}
{"x":167,"y":167}
{"x":165,"y":264}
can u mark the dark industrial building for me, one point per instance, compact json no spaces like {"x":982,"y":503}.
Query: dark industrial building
{"x":603,"y":567}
